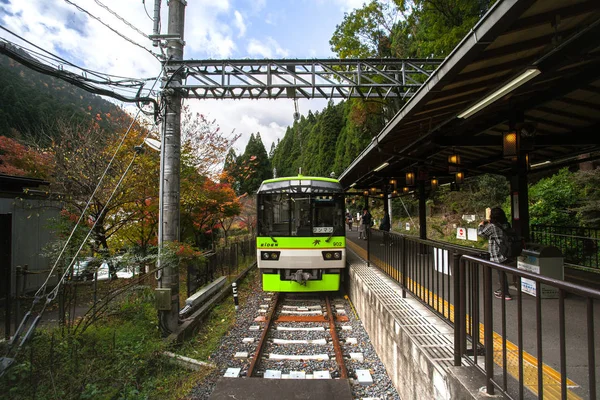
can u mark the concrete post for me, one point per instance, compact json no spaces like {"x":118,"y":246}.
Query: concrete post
{"x":169,"y":219}
{"x":235,"y":295}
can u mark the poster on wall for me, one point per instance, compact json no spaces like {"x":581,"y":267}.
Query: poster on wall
{"x":515,"y":206}
{"x":472,"y":234}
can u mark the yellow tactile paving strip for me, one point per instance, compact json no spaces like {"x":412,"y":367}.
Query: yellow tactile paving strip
{"x":550,"y":377}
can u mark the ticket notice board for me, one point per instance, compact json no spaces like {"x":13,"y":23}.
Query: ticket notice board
{"x":541,"y":261}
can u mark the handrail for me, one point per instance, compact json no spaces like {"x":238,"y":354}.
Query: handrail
{"x":567,"y":286}
{"x":458,"y":287}
{"x":468,"y":313}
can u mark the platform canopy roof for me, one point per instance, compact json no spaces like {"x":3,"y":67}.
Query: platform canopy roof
{"x":540,"y":63}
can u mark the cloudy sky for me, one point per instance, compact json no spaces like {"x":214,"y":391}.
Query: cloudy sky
{"x":214,"y":29}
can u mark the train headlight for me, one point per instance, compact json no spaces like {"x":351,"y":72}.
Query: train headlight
{"x":270,"y":255}
{"x":332,"y":255}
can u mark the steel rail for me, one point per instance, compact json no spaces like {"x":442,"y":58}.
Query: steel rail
{"x":263,"y":337}
{"x":339,"y":357}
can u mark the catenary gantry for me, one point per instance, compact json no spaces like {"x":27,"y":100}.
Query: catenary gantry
{"x":295,"y":78}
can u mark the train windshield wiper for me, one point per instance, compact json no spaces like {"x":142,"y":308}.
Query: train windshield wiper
{"x":273,"y":239}
{"x":329,"y":238}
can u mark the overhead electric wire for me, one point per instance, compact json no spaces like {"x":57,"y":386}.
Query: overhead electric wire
{"x":121,"y":19}
{"x":157,"y":56}
{"x":145,"y":9}
{"x":61,"y":60}
{"x":52,"y":294}
{"x":94,"y":193}
{"x":74,"y":78}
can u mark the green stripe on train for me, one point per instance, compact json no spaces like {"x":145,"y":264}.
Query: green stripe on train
{"x":301,"y":178}
{"x":300,"y":242}
{"x":273,"y":283}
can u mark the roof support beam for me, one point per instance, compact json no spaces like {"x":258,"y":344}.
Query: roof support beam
{"x":572,"y":10}
{"x":574,"y":138}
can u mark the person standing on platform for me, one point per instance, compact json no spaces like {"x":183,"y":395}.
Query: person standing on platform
{"x":361,"y":227}
{"x":385,"y":227}
{"x":365,"y":223}
{"x":493,"y":231}
{"x":349,"y":221}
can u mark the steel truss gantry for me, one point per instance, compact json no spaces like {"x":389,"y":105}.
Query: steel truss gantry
{"x":294,"y":78}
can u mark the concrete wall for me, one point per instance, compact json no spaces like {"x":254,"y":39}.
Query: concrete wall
{"x":413,"y":372}
{"x":31,"y":232}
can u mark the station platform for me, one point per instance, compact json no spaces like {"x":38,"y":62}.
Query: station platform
{"x":434,"y":337}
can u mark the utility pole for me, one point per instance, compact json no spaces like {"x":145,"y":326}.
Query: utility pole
{"x":169,"y":219}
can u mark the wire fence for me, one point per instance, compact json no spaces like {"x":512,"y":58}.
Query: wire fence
{"x":87,"y":293}
{"x":579,"y":245}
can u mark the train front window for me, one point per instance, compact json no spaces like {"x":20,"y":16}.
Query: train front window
{"x":274,"y":215}
{"x":300,"y":214}
{"x":328,"y":214}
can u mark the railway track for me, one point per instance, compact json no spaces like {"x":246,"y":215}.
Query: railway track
{"x":299,"y":333}
{"x":298,"y":343}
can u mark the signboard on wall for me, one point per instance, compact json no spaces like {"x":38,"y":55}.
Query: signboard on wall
{"x":472,"y":234}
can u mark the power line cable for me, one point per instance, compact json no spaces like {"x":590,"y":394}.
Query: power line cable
{"x":74,"y":79}
{"x":146,"y":10}
{"x":121,"y":19}
{"x":54,"y":292}
{"x":157,"y":56}
{"x":61,"y":60}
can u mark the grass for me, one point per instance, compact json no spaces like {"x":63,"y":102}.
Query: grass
{"x":442,"y":229}
{"x":118,"y":357}
{"x":220,"y":320}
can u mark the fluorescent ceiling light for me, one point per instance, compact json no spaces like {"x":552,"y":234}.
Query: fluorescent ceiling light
{"x":152,"y":143}
{"x":509,"y":87}
{"x":354,"y":184}
{"x":382,"y":166}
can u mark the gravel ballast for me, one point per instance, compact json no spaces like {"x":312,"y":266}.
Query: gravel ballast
{"x":233,"y":342}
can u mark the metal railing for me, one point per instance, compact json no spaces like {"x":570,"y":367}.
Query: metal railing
{"x":456,"y":283}
{"x":580,"y":246}
{"x":223,"y":262}
{"x":422,"y":267}
{"x":528,"y":357}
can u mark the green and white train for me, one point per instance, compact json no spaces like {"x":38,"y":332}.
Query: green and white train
{"x":301,"y":239}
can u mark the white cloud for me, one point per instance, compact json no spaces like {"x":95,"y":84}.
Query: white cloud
{"x":269,"y":117}
{"x":267,"y":49}
{"x":206,"y":31}
{"x":62,"y":29}
{"x":239,"y":23}
{"x":212,"y":30}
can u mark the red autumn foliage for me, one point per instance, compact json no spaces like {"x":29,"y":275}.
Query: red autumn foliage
{"x":21,"y":160}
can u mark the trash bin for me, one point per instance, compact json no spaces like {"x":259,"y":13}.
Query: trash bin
{"x":543,"y":260}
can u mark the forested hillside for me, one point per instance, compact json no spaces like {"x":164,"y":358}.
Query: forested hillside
{"x":31,"y":103}
{"x":328,"y":141}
